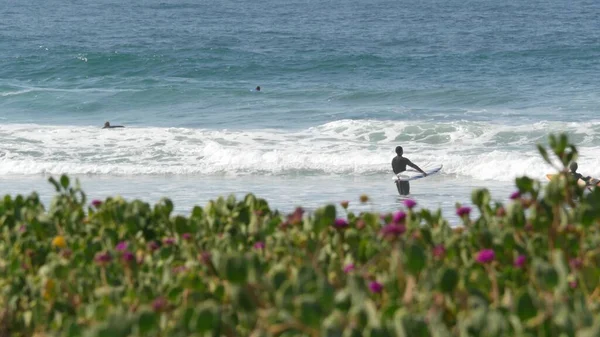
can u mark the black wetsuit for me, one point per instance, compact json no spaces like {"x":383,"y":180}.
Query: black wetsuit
{"x":399,"y":165}
{"x":578,"y":176}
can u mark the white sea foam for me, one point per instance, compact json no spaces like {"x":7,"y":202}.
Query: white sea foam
{"x":478,"y":150}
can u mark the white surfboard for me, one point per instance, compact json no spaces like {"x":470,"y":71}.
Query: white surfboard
{"x":412,"y":174}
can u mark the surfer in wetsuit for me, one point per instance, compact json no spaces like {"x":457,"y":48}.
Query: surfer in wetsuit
{"x":108,"y":126}
{"x":399,"y":164}
{"x":578,"y":176}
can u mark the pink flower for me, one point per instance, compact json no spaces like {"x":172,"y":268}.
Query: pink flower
{"x":121,"y":246}
{"x":296,"y":217}
{"x":179,"y":269}
{"x":22,"y":228}
{"x":520,"y":261}
{"x":393,"y":229}
{"x":375,"y":287}
{"x":573,"y":284}
{"x":169,"y":241}
{"x":485,"y":256}
{"x":259,"y":245}
{"x":153,"y":245}
{"x":515,"y":195}
{"x":96,"y":203}
{"x":340,"y":223}
{"x":66,"y":253}
{"x":206,"y":257}
{"x":103,"y":258}
{"x":409,"y":203}
{"x":399,"y":217}
{"x":186,"y":236}
{"x":576,"y":263}
{"x":128,"y":256}
{"x":348,"y":268}
{"x":159,"y":304}
{"x":463,"y":210}
{"x":439,"y":251}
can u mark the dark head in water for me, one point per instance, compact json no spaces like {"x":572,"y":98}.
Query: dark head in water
{"x":573,"y":167}
{"x":258,"y":88}
{"x":108,"y":126}
{"x":399,"y":150}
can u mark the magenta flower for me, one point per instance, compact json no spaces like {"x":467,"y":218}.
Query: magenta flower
{"x":348,"y":268}
{"x":340,"y":223}
{"x":375,"y":287}
{"x":206,"y":257}
{"x":160,"y":304}
{"x":515,"y":195}
{"x":96,"y":203}
{"x":186,"y":236}
{"x":128,"y":256}
{"x":409,"y":203}
{"x":169,"y":241}
{"x":462,"y":211}
{"x":103,"y":258}
{"x":153,"y":245}
{"x":121,"y":246}
{"x":485,"y":256}
{"x":576,"y":263}
{"x":393,"y":229}
{"x":259,"y":245}
{"x":399,"y":217}
{"x":439,"y":251}
{"x":66,"y":253}
{"x":520,"y":261}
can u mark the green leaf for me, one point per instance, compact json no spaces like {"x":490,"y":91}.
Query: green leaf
{"x":243,"y":299}
{"x":481,"y":197}
{"x":147,"y":322}
{"x":415,"y":259}
{"x":546,"y":275}
{"x":526,"y":308}
{"x":54,"y":183}
{"x":64,"y":181}
{"x":544,"y":153}
{"x":311,"y":311}
{"x":236,"y":269}
{"x":449,"y":280}
{"x":324,"y":217}
{"x":343,"y":300}
{"x":206,"y":317}
{"x":525,"y":184}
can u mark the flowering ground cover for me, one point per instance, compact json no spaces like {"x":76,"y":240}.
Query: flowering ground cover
{"x":238,"y":268}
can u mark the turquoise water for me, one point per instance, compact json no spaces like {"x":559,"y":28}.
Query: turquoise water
{"x":473,"y":85}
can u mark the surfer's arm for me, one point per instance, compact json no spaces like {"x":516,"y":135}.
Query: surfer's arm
{"x":410,"y":163}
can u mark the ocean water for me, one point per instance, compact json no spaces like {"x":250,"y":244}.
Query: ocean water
{"x":472,"y":85}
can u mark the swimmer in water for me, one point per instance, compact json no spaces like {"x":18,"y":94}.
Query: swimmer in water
{"x":108,"y":126}
{"x":258,"y":88}
{"x":399,"y":164}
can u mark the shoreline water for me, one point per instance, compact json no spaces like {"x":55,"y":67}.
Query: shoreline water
{"x":282,"y":193}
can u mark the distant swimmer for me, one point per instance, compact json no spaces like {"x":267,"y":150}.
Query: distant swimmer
{"x":576,"y":175}
{"x":108,"y":126}
{"x":258,"y":88}
{"x":399,"y":165}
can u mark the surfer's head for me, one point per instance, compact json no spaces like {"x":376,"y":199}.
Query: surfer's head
{"x":106,"y":124}
{"x":573,"y":166}
{"x":399,"y":150}
{"x":258,"y":88}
